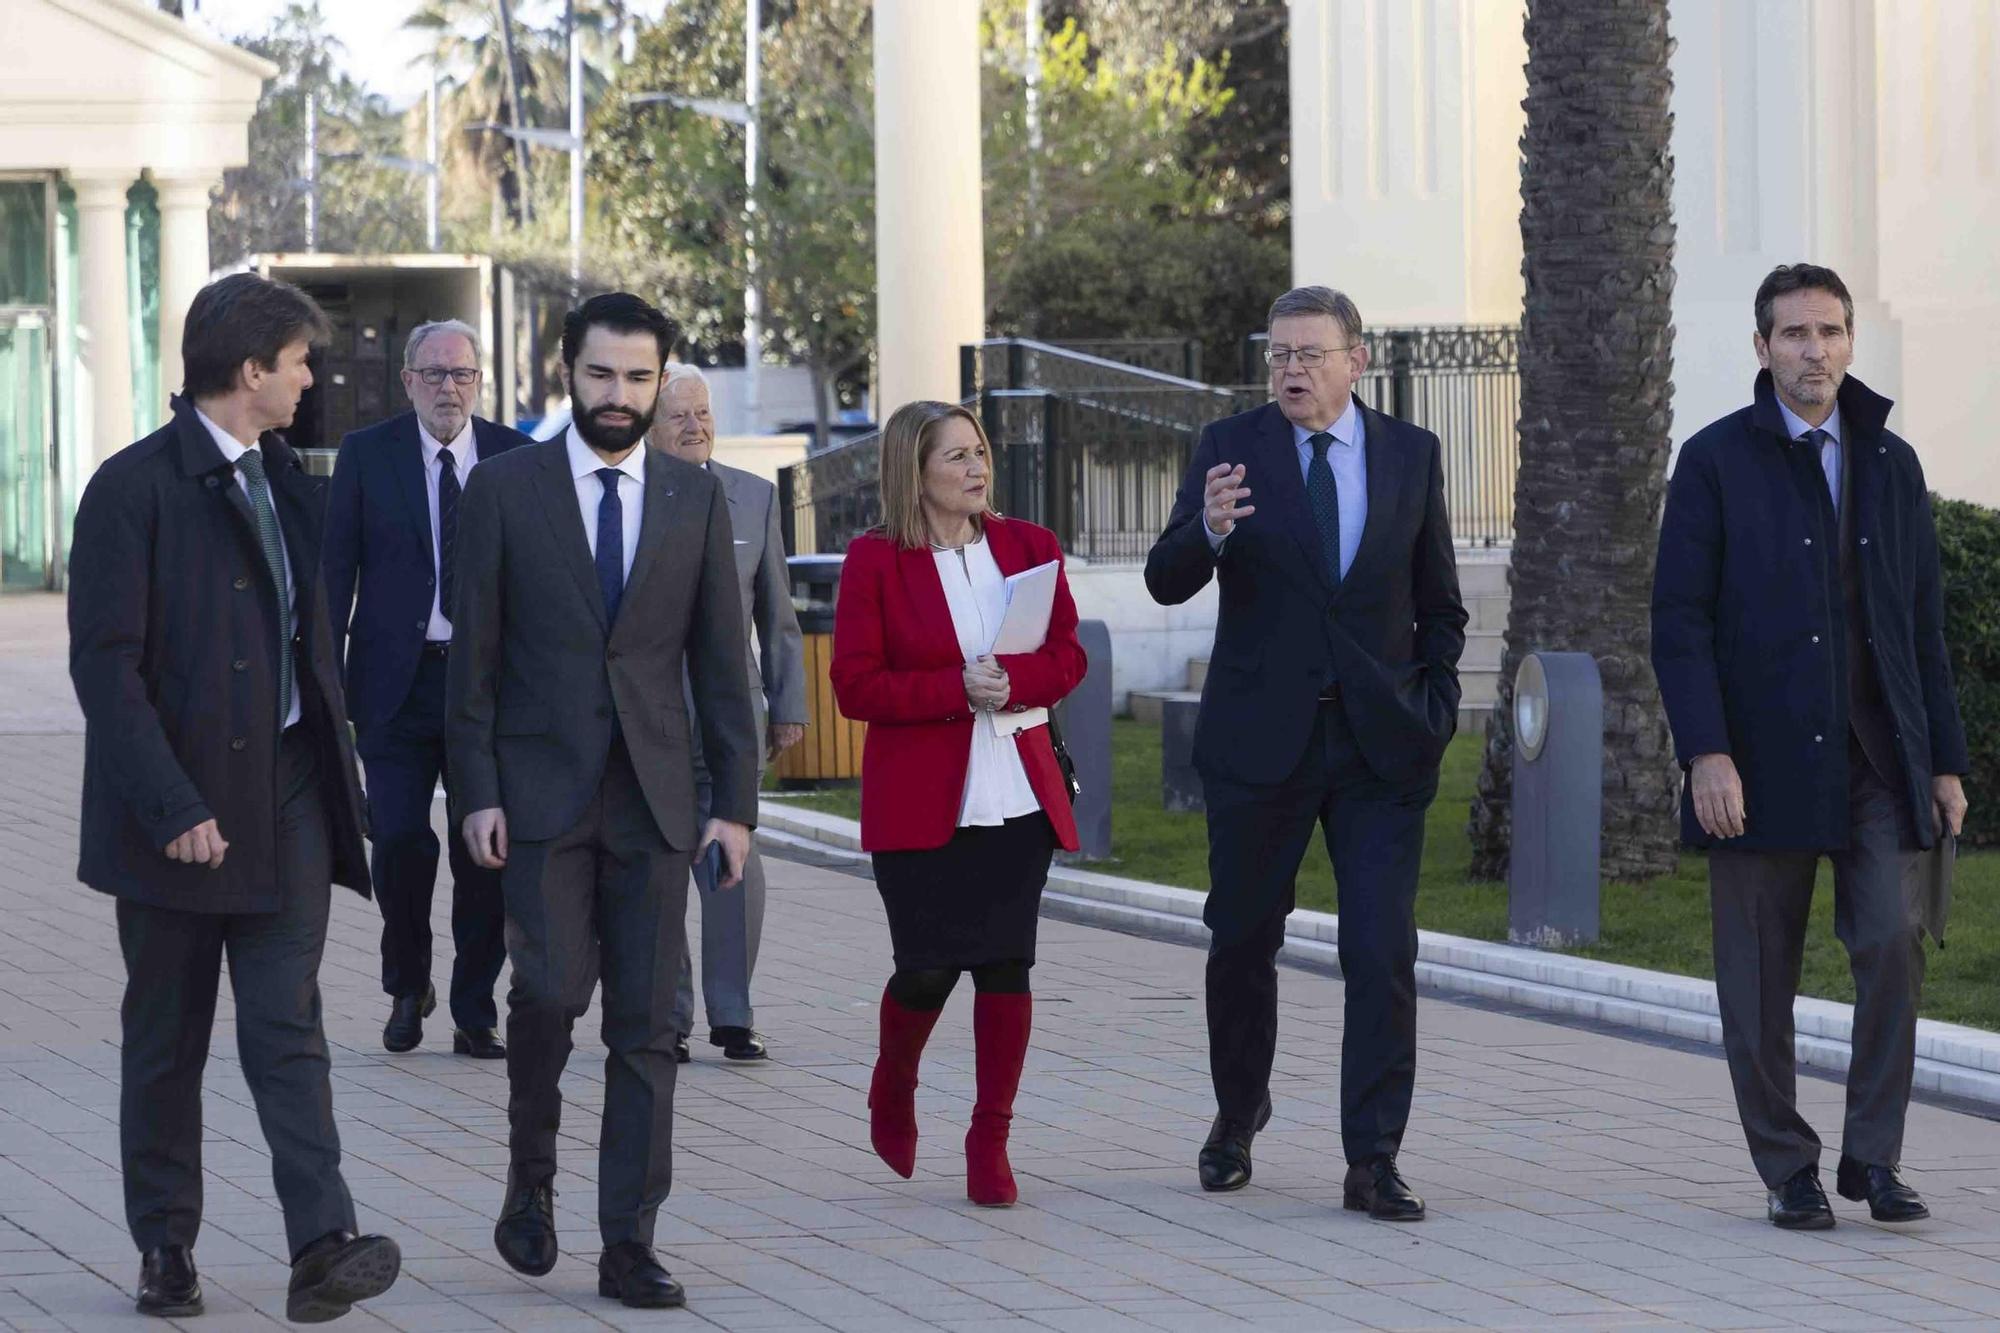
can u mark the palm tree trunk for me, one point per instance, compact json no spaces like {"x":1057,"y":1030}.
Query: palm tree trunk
{"x":522,"y":202}
{"x":1596,"y":387}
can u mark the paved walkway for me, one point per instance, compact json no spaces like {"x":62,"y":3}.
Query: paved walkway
{"x":1576,"y":1180}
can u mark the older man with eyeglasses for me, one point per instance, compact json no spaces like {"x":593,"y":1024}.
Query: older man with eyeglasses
{"x":392,"y":526}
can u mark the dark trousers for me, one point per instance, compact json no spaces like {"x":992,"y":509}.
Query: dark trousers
{"x":173,"y":965}
{"x":403,"y":759}
{"x":608,"y":897}
{"x":1761,"y":901}
{"x":1374,"y":833}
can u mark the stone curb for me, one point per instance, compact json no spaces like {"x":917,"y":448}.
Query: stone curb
{"x":1952,"y":1060}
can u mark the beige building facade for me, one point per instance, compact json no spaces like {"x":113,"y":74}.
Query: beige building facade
{"x":1861,"y":134}
{"x":116,"y":122}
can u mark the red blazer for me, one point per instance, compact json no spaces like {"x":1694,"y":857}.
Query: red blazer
{"x":897,"y":667}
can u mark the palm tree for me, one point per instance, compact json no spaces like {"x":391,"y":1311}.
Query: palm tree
{"x":1596,"y":386}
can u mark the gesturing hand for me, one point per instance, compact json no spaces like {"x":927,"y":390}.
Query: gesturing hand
{"x":1718,"y":795}
{"x":1219,"y":501}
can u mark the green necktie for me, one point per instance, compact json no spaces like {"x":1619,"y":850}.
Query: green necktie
{"x":252,"y":465}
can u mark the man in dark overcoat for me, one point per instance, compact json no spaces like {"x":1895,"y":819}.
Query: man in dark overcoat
{"x":219,"y":793}
{"x":1798,"y":635}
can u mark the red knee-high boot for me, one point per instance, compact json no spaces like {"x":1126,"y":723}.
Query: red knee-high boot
{"x":892,"y":1094}
{"x":1000,"y":1026}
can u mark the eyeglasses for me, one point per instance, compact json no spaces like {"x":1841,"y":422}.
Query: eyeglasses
{"x":463,"y":376}
{"x":1305,"y":356}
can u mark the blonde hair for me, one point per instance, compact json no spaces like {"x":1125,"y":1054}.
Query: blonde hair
{"x":907,"y":443}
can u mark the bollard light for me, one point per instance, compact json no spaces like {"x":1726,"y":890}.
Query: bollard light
{"x":1552,"y":872}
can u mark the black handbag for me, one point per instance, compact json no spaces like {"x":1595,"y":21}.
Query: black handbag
{"x":1063,"y":760}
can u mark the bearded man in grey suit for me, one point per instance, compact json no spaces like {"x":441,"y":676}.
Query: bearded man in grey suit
{"x":590,"y":571}
{"x":733,"y":923}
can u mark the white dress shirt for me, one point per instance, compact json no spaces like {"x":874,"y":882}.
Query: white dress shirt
{"x":233,"y":449}
{"x":464,"y":453}
{"x":1348,"y":457}
{"x":996,"y":785}
{"x":1829,"y":453}
{"x":583,"y":466}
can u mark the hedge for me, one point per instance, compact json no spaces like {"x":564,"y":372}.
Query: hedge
{"x":1969,"y":555}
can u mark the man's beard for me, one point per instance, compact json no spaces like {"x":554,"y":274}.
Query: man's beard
{"x":1813,"y":392}
{"x":613,"y":439}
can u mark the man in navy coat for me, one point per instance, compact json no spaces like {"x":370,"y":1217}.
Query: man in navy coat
{"x":391,"y":533}
{"x":1798,"y":636}
{"x":1331,"y":694}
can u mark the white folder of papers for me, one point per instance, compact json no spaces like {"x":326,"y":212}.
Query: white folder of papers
{"x":1024,"y":627}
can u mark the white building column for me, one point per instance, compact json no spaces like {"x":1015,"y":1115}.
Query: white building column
{"x":105,"y":344}
{"x":1406,"y":131}
{"x":930,"y":263}
{"x":1775,"y":162}
{"x":183,"y":267}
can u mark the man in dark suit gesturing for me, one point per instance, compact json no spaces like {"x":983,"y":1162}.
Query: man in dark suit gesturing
{"x":219,"y":793}
{"x":589,"y":568}
{"x":1332,"y":691}
{"x":391,"y":525}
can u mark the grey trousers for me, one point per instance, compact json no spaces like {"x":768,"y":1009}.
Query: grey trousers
{"x":1761,"y":901}
{"x":173,"y":969}
{"x":605,"y":898}
{"x":732,"y":924}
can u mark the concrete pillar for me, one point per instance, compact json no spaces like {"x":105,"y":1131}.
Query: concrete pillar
{"x":1775,"y":154}
{"x":105,"y":343}
{"x":1406,"y":130}
{"x":930,"y":266}
{"x":183,"y":267}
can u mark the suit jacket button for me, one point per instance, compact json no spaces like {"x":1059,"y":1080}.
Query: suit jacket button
{"x":240,"y":664}
{"x":237,"y":743}
{"x":421,"y":624}
{"x":241,"y":583}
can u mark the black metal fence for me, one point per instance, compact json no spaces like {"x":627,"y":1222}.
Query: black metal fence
{"x":1095,"y":448}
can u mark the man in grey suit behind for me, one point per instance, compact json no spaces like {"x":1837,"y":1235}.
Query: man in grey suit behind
{"x":733,"y":923}
{"x":589,"y":569}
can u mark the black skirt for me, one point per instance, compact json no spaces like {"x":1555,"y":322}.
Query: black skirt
{"x":974,"y":900}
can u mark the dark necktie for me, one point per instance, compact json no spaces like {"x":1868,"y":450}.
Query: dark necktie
{"x":251,"y":464}
{"x":1819,"y":440}
{"x":610,"y":544}
{"x":1325,"y":498}
{"x":447,"y":530}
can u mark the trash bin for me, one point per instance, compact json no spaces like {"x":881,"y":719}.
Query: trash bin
{"x":831,"y":750}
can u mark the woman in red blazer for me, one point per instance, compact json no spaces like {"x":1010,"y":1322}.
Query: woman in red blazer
{"x":962,"y":802}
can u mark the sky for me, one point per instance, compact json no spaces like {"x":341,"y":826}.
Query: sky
{"x":379,"y":53}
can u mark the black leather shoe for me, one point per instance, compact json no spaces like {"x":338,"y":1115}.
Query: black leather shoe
{"x":525,"y":1235}
{"x":479,"y":1043}
{"x":405,"y":1027}
{"x":337,"y":1270}
{"x":168,"y":1285}
{"x":738,"y":1043}
{"x":1889,"y":1199}
{"x":1224,"y":1163}
{"x":1800,"y":1204}
{"x":681,"y":1055}
{"x":1376,"y":1187}
{"x":628,"y":1272}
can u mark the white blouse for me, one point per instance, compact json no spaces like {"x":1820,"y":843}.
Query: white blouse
{"x":996,"y":785}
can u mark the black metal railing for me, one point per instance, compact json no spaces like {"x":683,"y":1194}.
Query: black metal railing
{"x":1172,"y":356}
{"x":1095,"y":449}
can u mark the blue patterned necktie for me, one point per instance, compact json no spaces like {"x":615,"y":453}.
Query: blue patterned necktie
{"x":251,"y":464}
{"x":1325,"y":498}
{"x":447,"y":530}
{"x":610,"y":544}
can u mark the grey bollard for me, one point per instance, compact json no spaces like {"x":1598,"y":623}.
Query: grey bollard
{"x":1180,"y":786}
{"x":1086,"y":728}
{"x":1552,"y":870}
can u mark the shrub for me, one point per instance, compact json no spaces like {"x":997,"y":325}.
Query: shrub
{"x":1969,"y":556}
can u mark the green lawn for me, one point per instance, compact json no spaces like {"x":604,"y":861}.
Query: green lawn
{"x":1661,"y":925}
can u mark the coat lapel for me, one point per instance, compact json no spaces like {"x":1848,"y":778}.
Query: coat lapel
{"x":1384,"y":488}
{"x":559,"y":506}
{"x":406,"y":460}
{"x":293,"y":495}
{"x":1278,"y":477}
{"x":918,"y":569}
{"x":662,"y":502}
